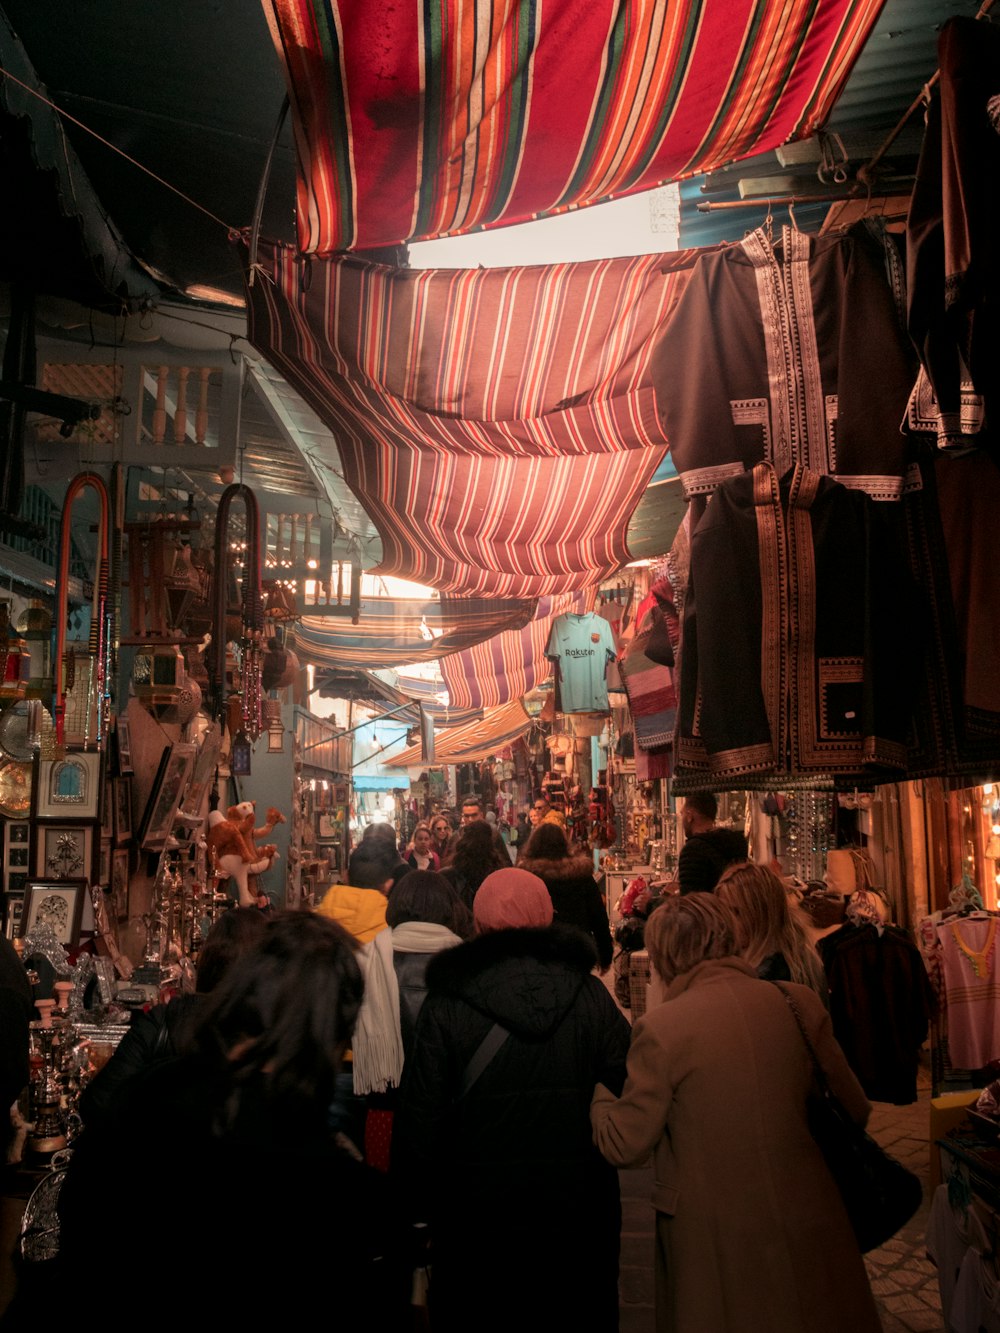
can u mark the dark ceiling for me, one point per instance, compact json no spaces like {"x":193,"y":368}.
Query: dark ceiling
{"x":191,"y":89}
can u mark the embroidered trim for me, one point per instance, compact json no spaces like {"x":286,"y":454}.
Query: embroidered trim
{"x":978,"y":958}
{"x":875,"y":487}
{"x":705,"y":480}
{"x":812,"y":450}
{"x":834,"y":671}
{"x":832,"y":404}
{"x":776,"y":344}
{"x":747,"y":759}
{"x":772,"y":559}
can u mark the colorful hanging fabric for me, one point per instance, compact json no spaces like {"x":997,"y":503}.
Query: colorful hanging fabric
{"x":397,"y":631}
{"x":426,"y":120}
{"x":510,"y":664}
{"x":496,"y":729}
{"x":499,"y":426}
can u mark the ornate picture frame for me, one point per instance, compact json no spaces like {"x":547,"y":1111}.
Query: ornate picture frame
{"x":64,"y":851}
{"x":60,"y":902}
{"x":69,"y":788}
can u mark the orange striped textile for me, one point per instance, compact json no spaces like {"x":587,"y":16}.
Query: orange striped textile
{"x":497,"y":728}
{"x":507,"y":666}
{"x":440,"y":117}
{"x":498,"y":425}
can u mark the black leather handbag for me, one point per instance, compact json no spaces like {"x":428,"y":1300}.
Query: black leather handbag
{"x":879,"y":1193}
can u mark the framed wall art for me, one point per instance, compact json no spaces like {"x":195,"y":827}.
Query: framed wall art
{"x":119,"y":883}
{"x":167,"y":795}
{"x":13,"y":910}
{"x":123,"y":809}
{"x":16,"y":854}
{"x":69,"y":788}
{"x":123,"y":745}
{"x":58,"y":903}
{"x":64,"y":851}
{"x":104,"y":864}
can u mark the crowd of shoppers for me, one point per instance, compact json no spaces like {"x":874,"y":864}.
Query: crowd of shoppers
{"x":462,"y":1014}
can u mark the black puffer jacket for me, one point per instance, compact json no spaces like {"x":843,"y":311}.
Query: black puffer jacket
{"x":507,"y":1174}
{"x":575,"y":896}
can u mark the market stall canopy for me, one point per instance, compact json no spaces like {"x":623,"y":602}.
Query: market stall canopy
{"x":510,"y":664}
{"x":497,"y":728}
{"x":428,"y":120}
{"x":498,"y":425}
{"x":395,"y":631}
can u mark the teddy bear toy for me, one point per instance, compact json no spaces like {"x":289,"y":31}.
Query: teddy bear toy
{"x":231,"y":842}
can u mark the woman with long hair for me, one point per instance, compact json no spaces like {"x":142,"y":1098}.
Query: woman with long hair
{"x":768,"y":935}
{"x":159,"y":1034}
{"x":230,"y":1140}
{"x":751,"y":1232}
{"x":425,"y":915}
{"x":475,"y":857}
{"x":570,"y":881}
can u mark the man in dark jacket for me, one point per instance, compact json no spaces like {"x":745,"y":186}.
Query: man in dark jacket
{"x":492,"y":1137}
{"x":707,"y":848}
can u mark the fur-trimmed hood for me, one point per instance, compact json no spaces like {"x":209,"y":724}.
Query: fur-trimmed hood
{"x":526,"y":979}
{"x":563,"y":867}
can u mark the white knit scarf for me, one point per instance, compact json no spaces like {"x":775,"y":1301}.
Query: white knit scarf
{"x":377,"y":1044}
{"x":422,"y":937}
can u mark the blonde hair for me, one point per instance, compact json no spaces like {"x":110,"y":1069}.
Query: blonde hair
{"x":685,"y":931}
{"x":765,"y":924}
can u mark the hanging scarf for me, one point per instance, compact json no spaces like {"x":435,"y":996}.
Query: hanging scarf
{"x":377,"y":1044}
{"x":422,"y":937}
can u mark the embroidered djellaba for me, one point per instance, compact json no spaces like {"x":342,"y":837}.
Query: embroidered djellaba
{"x":797,"y":656}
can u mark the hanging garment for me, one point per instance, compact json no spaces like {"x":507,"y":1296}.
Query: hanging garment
{"x":969,"y":969}
{"x":581,"y":646}
{"x":953,"y":269}
{"x":795,"y":650}
{"x":880,"y":1005}
{"x":768,"y":358}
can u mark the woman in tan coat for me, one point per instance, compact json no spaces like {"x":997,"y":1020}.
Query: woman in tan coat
{"x":751,"y":1234}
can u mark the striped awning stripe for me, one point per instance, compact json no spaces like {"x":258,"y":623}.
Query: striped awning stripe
{"x":510,"y":664}
{"x":499,"y":426}
{"x":420,"y":120}
{"x":497,"y":728}
{"x":391,"y":631}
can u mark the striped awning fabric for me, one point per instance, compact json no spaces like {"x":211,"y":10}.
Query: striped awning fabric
{"x":498,"y":425}
{"x":510,"y":664}
{"x":419,"y":120}
{"x":395,"y":631}
{"x":472,"y":741}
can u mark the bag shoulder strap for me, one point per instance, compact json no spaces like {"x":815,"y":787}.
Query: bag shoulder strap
{"x":817,"y":1067}
{"x":482,"y":1056}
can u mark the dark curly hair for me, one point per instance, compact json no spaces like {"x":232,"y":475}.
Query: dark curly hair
{"x":284,"y":1013}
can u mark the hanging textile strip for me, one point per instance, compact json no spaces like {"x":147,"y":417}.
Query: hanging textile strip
{"x":427,"y":120}
{"x":397,"y":631}
{"x":499,"y":426}
{"x":979,"y":959}
{"x":510,"y":664}
{"x":475,"y":740}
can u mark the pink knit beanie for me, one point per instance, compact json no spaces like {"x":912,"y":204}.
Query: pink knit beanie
{"x":511,"y":898}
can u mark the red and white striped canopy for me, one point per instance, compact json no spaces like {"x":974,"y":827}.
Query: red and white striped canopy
{"x":498,"y":425}
{"x":417,"y":120}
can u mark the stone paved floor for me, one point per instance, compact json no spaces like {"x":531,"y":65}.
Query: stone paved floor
{"x":903,"y":1279}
